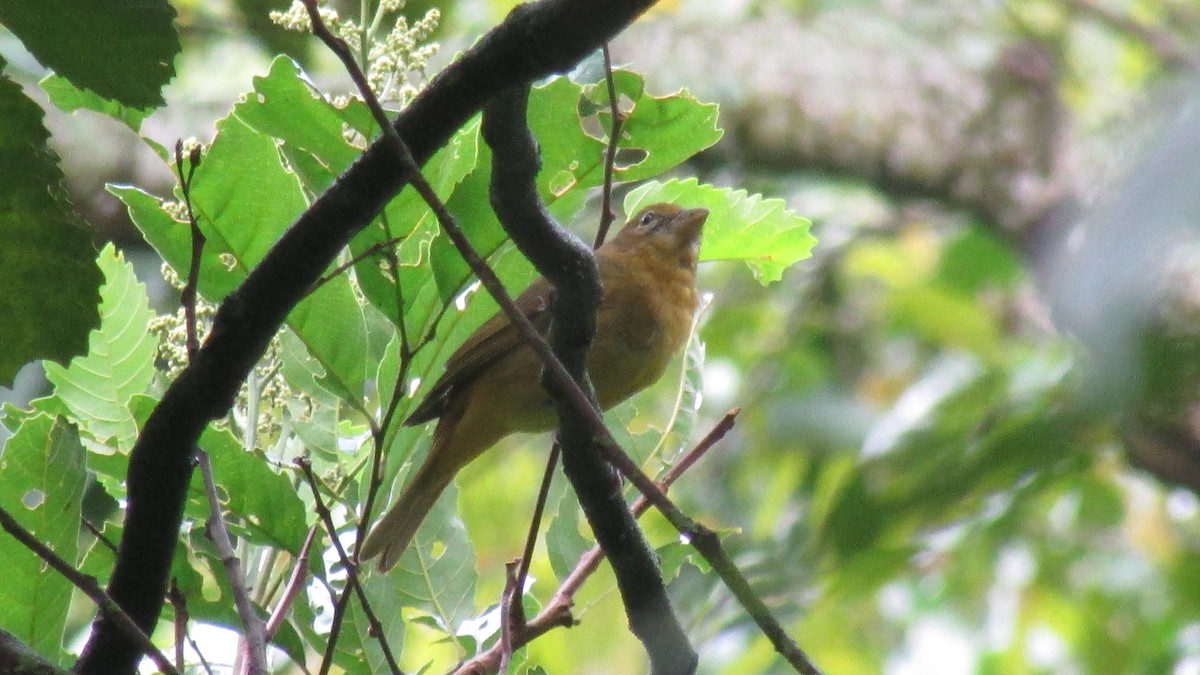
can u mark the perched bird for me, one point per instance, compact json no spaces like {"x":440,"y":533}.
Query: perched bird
{"x":491,"y":386}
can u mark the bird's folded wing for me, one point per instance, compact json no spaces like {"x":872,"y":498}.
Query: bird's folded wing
{"x":492,"y":340}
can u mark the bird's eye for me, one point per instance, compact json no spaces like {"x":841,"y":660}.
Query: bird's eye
{"x":648,"y":218}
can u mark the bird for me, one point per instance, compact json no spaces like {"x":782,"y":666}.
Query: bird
{"x":491,"y":385}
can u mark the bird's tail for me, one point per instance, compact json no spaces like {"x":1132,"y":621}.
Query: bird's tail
{"x":394,"y":532}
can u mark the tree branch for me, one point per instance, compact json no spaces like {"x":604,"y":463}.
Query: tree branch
{"x":568,"y":263}
{"x":558,"y":611}
{"x":534,"y":41}
{"x":90,"y":588}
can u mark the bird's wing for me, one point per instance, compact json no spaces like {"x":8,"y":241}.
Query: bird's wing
{"x":495,"y":338}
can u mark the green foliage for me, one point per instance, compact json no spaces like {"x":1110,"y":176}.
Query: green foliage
{"x":98,"y":386}
{"x":261,"y":504}
{"x":740,"y":226}
{"x":41,"y":485}
{"x":402,"y":293}
{"x":69,"y":98}
{"x":46,"y":257}
{"x":139,"y":44}
{"x":911,"y":453}
{"x":437,"y":573}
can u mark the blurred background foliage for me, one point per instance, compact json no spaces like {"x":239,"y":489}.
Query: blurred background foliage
{"x":969,"y":439}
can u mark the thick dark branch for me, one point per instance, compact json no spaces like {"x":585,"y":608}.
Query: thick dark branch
{"x":568,"y":263}
{"x":536,"y":40}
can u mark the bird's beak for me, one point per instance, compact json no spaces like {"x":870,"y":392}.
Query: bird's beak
{"x":688,"y":223}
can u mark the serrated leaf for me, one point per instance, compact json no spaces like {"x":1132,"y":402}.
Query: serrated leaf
{"x":286,"y":106}
{"x":661,"y":131}
{"x":46,"y":255}
{"x":119,"y":364}
{"x":741,"y":226}
{"x":41,"y":485}
{"x":245,"y":199}
{"x":472,"y":208}
{"x":120,"y":49}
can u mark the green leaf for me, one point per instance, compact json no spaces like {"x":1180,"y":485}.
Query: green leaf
{"x":120,"y":49}
{"x":260,"y":504}
{"x":564,"y":542}
{"x":41,"y":485}
{"x":741,"y":226}
{"x":947,"y":317}
{"x":571,"y":158}
{"x":437,"y":572}
{"x":46,"y":256}
{"x":98,"y":386}
{"x":244,"y":199}
{"x":472,"y":208}
{"x":408,"y":219}
{"x":69,"y":98}
{"x":286,"y":106}
{"x":659,"y":132}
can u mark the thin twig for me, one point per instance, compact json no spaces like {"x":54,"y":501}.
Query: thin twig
{"x":90,"y":588}
{"x":179,"y":608}
{"x":708,"y":544}
{"x":557,"y":612}
{"x":340,"y":604}
{"x":104,"y":541}
{"x":187,"y":297}
{"x":378,"y":432}
{"x":254,"y":639}
{"x":517,"y":614}
{"x":295,"y":585}
{"x":367,"y":253}
{"x":607,"y":215}
{"x":510,"y":624}
{"x":351,"y":569}
{"x":179,"y":605}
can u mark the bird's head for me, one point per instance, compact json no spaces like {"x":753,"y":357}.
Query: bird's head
{"x":670,"y":231}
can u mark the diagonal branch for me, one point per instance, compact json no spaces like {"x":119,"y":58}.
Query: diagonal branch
{"x":534,"y":41}
{"x":569,"y":265}
{"x":89,"y":586}
{"x":558,"y":611}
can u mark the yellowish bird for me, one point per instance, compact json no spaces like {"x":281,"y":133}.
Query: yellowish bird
{"x":491,"y":386}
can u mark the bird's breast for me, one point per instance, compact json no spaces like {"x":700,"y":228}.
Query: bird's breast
{"x":644,"y":319}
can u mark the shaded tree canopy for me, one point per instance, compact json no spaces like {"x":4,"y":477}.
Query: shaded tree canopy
{"x":967,"y":437}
